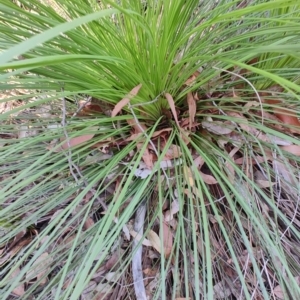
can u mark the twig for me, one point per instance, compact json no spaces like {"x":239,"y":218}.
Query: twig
{"x":252,"y":86}
{"x":82,"y":107}
{"x":137,"y":249}
{"x":73,"y":166}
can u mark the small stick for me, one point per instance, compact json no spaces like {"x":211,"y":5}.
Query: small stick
{"x":137,"y":271}
{"x":73,"y":166}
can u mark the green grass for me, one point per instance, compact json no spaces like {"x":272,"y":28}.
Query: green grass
{"x":233,"y":185}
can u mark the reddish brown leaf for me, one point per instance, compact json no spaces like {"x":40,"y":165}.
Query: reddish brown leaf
{"x":172,"y":107}
{"x":76,"y":141}
{"x":137,"y":127}
{"x":19,"y":290}
{"x":199,"y":161}
{"x":88,"y":223}
{"x":172,"y":152}
{"x":167,"y":239}
{"x":39,"y":268}
{"x":279,"y":292}
{"x":125,"y":100}
{"x":248,"y":161}
{"x":89,"y":108}
{"x":294,"y":149}
{"x":192,"y":79}
{"x":208,"y":178}
{"x":288,"y":117}
{"x":159,"y":132}
{"x":147,"y":156}
{"x":192,"y":109}
{"x":113,"y":260}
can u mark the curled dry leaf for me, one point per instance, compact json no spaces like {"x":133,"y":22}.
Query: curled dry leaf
{"x":125,"y":100}
{"x":264,"y":183}
{"x":39,"y":268}
{"x":221,"y":291}
{"x":188,"y":175}
{"x":199,"y":161}
{"x":250,"y":104}
{"x":174,"y":209}
{"x":208,"y":178}
{"x":167,"y":239}
{"x":294,"y":149}
{"x":138,"y":128}
{"x":172,"y":107}
{"x":173,"y":152}
{"x":147,"y":156}
{"x":19,"y":290}
{"x":76,"y":141}
{"x":248,"y":160}
{"x":155,"y":240}
{"x":113,"y":276}
{"x":88,"y":223}
{"x":138,"y":237}
{"x":114,"y":259}
{"x":192,"y":109}
{"x":218,"y":127}
{"x":278,"y":292}
{"x":286,"y":115}
{"x":191,"y":80}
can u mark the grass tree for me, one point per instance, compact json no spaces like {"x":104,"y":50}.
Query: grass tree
{"x":149,"y":149}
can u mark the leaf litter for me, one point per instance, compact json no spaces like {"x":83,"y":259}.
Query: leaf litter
{"x":161,"y":236}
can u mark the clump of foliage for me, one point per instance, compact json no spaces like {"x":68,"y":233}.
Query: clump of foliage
{"x":177,"y":116}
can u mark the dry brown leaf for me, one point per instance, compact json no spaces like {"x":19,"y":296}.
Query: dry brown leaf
{"x":138,"y":128}
{"x":188,"y":175}
{"x":147,"y":156}
{"x":167,"y":240}
{"x":76,"y":141}
{"x":288,"y":117}
{"x":172,"y":107}
{"x":249,"y":160}
{"x":264,"y":183}
{"x":134,"y":137}
{"x":279,"y":292}
{"x":174,"y":209}
{"x":125,"y":100}
{"x":172,"y":152}
{"x":294,"y":149}
{"x":88,"y":108}
{"x":199,"y":161}
{"x":191,"y":80}
{"x":88,"y":292}
{"x":19,"y":290}
{"x":214,"y":220}
{"x":159,"y":132}
{"x":218,"y":127}
{"x":208,"y":178}
{"x":114,"y":259}
{"x":221,"y":291}
{"x":40,"y":268}
{"x":155,"y":240}
{"x":250,"y":104}
{"x":88,"y":223}
{"x":192,"y":109}
{"x":138,"y":237}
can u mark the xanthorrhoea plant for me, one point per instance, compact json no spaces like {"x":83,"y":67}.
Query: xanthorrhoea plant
{"x":216,"y":102}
